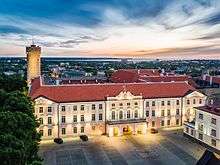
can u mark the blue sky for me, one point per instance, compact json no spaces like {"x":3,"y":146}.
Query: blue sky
{"x":166,"y":29}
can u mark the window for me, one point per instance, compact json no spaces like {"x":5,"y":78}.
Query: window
{"x":200,"y":101}
{"x":153,"y":124}
{"x":93,"y":106}
{"x":82,"y":117}
{"x":136,"y":103}
{"x":75,"y":107}
{"x":177,"y":111}
{"x":200,"y":116}
{"x":200,"y":127}
{"x":41,"y":121}
{"x":162,"y":123}
{"x":100,"y":106}
{"x":200,"y":136}
{"x":82,"y":107}
{"x":147,"y":113}
{"x":113,"y":115}
{"x":113,"y":105}
{"x":49,"y":109}
{"x":177,"y":121}
{"x":213,"y":121}
{"x":82,"y":129}
{"x":147,"y":104}
{"x":213,"y":142}
{"x":41,"y":132}
{"x":162,"y":103}
{"x":74,"y":118}
{"x":100,"y":116}
{"x":128,"y":114}
{"x":49,"y":120}
{"x":49,"y":132}
{"x":187,"y":130}
{"x":168,"y":112}
{"x":168,"y":122}
{"x":213,"y":132}
{"x":120,"y":115}
{"x":162,"y":112}
{"x":168,"y":103}
{"x":74,"y":129}
{"x":128,"y":104}
{"x":192,"y":132}
{"x":63,"y":131}
{"x":63,"y":119}
{"x":63,"y":108}
{"x":93,"y":117}
{"x":120,"y":104}
{"x":153,"y":112}
{"x":177,"y":102}
{"x":41,"y":109}
{"x":188,"y":101}
{"x":194,"y":101}
{"x":136,"y":114}
{"x":153,"y":103}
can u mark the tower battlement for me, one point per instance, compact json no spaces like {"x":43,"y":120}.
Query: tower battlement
{"x":33,"y":48}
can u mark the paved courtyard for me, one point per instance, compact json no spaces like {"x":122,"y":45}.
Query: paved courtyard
{"x":165,"y":148}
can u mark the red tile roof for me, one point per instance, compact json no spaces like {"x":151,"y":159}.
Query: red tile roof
{"x":163,"y":78}
{"x":99,"y":92}
{"x":132,"y":75}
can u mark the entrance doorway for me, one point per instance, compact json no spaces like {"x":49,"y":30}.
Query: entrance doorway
{"x":115,"y":131}
{"x":127,"y":130}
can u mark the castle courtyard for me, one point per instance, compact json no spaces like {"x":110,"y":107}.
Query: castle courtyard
{"x":164,"y":148}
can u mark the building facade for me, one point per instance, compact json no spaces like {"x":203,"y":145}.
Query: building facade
{"x":206,"y":125}
{"x":112,"y":109}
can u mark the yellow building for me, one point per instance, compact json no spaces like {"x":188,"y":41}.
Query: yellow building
{"x":33,"y":62}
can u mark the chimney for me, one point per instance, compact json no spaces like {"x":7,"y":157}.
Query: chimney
{"x":210,"y":80}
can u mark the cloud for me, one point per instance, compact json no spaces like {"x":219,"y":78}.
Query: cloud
{"x":116,"y":28}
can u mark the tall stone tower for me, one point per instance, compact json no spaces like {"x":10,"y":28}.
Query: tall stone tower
{"x":33,"y":62}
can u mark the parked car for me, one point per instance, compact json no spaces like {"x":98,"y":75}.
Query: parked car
{"x":153,"y":130}
{"x":84,"y":137}
{"x":58,"y":140}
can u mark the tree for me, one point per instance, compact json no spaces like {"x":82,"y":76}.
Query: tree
{"x":19,"y":140}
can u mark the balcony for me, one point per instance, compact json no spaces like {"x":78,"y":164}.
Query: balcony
{"x":128,"y":121}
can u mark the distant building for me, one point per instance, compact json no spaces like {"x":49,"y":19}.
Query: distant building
{"x":33,"y":53}
{"x":206,"y":125}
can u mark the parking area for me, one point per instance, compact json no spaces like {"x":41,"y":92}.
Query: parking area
{"x":165,"y":148}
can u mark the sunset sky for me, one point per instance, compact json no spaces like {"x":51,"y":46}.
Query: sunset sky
{"x":164,"y":29}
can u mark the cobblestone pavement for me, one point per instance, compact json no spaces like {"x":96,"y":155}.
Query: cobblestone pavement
{"x":164,"y":148}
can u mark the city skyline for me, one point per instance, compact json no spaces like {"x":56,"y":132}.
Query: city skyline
{"x":137,"y":29}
